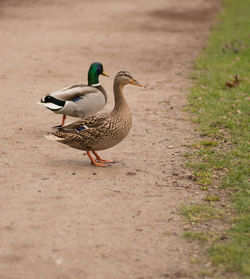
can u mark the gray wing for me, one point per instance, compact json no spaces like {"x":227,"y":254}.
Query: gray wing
{"x":73,"y":91}
{"x":83,"y":106}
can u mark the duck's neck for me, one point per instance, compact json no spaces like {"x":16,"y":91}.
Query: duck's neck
{"x":100,"y":88}
{"x":120,"y":102}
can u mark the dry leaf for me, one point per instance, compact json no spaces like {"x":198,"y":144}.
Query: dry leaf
{"x":233,"y":83}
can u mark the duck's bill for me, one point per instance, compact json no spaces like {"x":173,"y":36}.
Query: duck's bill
{"x":105,"y":74}
{"x":135,"y":82}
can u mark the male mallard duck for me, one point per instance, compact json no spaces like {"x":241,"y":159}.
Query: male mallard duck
{"x":79,"y":100}
{"x":103,"y":130}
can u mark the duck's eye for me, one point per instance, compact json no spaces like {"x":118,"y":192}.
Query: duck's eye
{"x":99,"y":70}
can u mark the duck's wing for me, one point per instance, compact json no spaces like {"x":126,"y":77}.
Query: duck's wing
{"x":73,"y":92}
{"x":93,"y":121}
{"x":83,"y":106}
{"x":76,"y":101}
{"x":80,"y":131}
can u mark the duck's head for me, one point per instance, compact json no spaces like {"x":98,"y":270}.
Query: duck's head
{"x":95,"y":70}
{"x":124,"y":78}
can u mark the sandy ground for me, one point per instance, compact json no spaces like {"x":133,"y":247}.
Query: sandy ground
{"x":61,"y":217}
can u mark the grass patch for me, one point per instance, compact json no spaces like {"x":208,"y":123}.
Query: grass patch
{"x":204,"y":188}
{"x":235,"y":254}
{"x":200,"y":213}
{"x":212,"y":198}
{"x":205,"y":143}
{"x":201,"y":236}
{"x":220,"y":106}
{"x":231,"y":256}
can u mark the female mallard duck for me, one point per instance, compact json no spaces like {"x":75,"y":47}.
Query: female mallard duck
{"x":100,"y":131}
{"x":79,"y":100}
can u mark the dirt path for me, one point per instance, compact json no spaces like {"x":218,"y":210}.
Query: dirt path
{"x":60,"y":217}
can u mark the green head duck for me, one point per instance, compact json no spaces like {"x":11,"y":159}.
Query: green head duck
{"x":95,"y":70}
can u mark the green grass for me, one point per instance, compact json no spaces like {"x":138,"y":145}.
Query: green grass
{"x":221,"y":158}
{"x":200,"y":213}
{"x":201,"y":236}
{"x":212,"y":198}
{"x":235,"y":254}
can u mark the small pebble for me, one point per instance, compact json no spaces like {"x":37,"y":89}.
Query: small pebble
{"x":131,"y":173}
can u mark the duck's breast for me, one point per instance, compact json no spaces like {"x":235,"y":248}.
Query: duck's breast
{"x":113,"y":134}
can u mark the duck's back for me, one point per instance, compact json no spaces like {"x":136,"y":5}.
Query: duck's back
{"x":81,"y":100}
{"x":72,"y":92}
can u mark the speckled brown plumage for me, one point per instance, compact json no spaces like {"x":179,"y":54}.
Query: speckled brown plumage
{"x":104,"y":130}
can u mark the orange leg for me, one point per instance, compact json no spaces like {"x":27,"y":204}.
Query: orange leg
{"x":100,"y":159}
{"x":63,"y":120}
{"x":94,"y":162}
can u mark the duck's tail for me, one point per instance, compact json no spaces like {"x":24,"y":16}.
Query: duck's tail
{"x":51,"y":136}
{"x":52,"y":103}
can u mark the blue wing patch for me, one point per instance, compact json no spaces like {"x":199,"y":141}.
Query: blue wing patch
{"x":81,"y":128}
{"x":77,"y":99}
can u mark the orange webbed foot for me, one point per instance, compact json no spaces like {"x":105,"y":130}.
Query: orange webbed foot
{"x":99,"y":162}
{"x":99,"y":159}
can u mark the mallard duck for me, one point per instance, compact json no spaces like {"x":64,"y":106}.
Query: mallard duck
{"x":79,"y":100}
{"x":103,"y":130}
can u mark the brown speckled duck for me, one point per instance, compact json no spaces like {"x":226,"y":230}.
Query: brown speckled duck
{"x":103,"y":130}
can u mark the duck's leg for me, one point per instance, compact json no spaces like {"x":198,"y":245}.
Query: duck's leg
{"x":63,"y":120}
{"x":100,"y":159}
{"x":94,"y":162}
